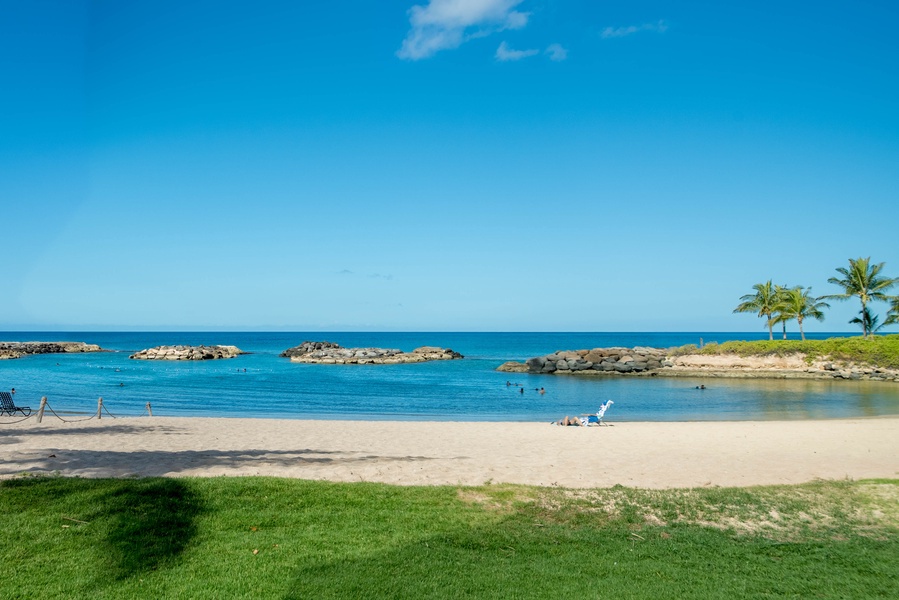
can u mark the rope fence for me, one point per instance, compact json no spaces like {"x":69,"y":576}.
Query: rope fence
{"x":45,"y":406}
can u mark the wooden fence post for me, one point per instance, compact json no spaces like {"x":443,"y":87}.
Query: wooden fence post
{"x":149,"y":409}
{"x":100,"y":408}
{"x":40,"y":411}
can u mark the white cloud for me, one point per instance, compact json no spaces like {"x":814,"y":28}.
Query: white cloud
{"x":616,"y":32}
{"x":446,"y":24}
{"x":556,"y":52}
{"x":504,"y":53}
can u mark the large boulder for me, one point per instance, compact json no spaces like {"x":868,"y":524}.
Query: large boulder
{"x":513,"y":367}
{"x":595,"y":356}
{"x":535,"y":365}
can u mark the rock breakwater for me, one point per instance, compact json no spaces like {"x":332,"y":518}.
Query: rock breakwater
{"x":187,"y":353}
{"x":330,"y":353}
{"x":18,"y":349}
{"x":643,"y":361}
{"x":791,"y":366}
{"x":597,"y":360}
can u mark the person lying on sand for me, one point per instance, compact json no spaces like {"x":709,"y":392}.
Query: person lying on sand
{"x":586,"y":420}
{"x":573,"y":421}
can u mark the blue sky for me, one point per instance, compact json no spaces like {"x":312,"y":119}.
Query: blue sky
{"x":470,"y":165}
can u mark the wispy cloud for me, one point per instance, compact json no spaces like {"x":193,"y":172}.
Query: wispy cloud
{"x":556,"y":52}
{"x":504,"y":53}
{"x":347,"y":272}
{"x":446,"y":24}
{"x":617,"y":32}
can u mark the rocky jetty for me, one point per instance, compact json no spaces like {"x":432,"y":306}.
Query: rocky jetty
{"x":643,"y":361}
{"x":598,"y":360}
{"x":791,"y":366}
{"x":18,"y":349}
{"x":187,"y":353}
{"x":333,"y":354}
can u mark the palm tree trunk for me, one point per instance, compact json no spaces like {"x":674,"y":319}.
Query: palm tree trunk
{"x":801,"y":333}
{"x":864,"y":319}
{"x":770,"y":330}
{"x":785,"y":329}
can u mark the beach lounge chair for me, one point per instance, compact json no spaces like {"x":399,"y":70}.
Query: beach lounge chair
{"x":8,"y":407}
{"x":602,"y":411}
{"x":591,"y":420}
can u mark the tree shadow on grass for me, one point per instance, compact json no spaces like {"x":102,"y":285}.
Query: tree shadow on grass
{"x":134,"y":526}
{"x":151,"y":522}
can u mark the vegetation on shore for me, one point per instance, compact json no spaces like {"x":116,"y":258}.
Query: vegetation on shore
{"x":277,"y":538}
{"x":863,"y":280}
{"x":878,"y":351}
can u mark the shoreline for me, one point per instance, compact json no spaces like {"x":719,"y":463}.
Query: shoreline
{"x":675,"y":454}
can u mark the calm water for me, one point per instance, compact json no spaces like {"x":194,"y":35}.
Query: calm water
{"x":264,"y":385}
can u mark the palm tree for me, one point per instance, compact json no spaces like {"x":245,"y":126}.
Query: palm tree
{"x":893,"y":314}
{"x":778,"y":315}
{"x":798,"y":303}
{"x":868,"y":321}
{"x":864,"y":280}
{"x":763,"y":302}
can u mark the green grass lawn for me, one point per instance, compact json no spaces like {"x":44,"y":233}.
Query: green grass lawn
{"x":279,"y":538}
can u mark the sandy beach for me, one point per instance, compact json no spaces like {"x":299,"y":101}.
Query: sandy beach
{"x":650,"y":455}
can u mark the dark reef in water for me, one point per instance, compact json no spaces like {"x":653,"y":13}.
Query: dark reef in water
{"x":18,"y":349}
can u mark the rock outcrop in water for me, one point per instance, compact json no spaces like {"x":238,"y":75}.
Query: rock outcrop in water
{"x":18,"y":349}
{"x":187,"y":353}
{"x":332,"y":354}
{"x":308,"y":348}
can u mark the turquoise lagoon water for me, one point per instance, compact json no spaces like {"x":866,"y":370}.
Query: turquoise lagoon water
{"x":261,"y":384}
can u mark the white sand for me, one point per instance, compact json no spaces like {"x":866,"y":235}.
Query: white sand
{"x":652,"y":455}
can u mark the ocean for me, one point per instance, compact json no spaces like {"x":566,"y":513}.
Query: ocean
{"x":261,"y":384}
